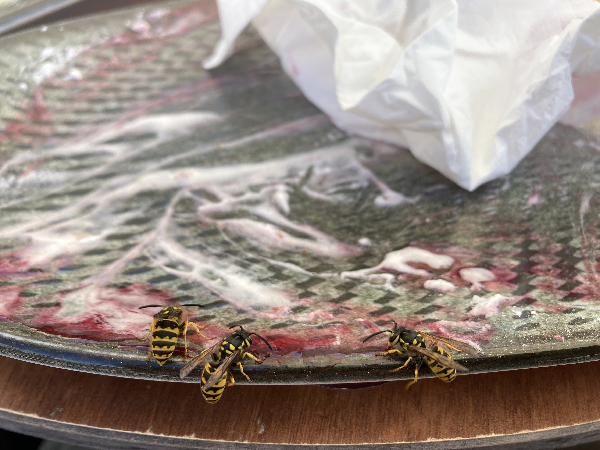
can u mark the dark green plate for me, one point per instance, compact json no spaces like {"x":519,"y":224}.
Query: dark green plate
{"x":132,"y":176}
{"x":15,"y":13}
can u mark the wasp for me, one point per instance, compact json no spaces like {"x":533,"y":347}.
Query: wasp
{"x":422,"y":347}
{"x":216,"y":374}
{"x":166,"y":327}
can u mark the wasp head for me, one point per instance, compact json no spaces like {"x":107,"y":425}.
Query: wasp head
{"x":170,"y":312}
{"x":394,"y":333}
{"x":167,"y":312}
{"x":245,"y":336}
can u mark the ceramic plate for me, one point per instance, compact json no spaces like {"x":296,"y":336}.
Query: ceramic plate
{"x":132,"y":176}
{"x":15,"y":13}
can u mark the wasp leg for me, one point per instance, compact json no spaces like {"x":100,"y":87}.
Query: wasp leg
{"x":149,"y":331}
{"x":147,"y":336}
{"x":186,"y":324}
{"x":231,"y":380}
{"x":403,"y":365}
{"x":389,"y":352}
{"x":416,"y":376}
{"x":251,"y":355}
{"x":449,"y":346}
{"x":244,"y":373}
{"x":198,"y":331}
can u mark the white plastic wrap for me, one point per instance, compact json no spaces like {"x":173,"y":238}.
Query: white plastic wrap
{"x":469,"y":86}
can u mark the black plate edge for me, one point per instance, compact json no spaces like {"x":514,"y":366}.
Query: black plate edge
{"x":26,"y":344}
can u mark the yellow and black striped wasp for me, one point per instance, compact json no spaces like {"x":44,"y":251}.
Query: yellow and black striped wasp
{"x":422,"y":347}
{"x":216,"y":374}
{"x":166,"y":327}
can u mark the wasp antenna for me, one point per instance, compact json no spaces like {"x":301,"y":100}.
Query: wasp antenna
{"x":150,"y":306}
{"x":199,"y":306}
{"x":233,"y":326}
{"x":264,"y":340}
{"x":375,"y":334}
{"x":395,"y":325}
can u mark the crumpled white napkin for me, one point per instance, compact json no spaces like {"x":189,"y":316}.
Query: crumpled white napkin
{"x":469,"y":86}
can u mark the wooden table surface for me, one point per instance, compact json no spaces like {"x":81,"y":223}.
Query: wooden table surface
{"x":545,"y":408}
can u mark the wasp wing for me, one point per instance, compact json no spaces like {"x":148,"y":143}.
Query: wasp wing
{"x":458,"y":345}
{"x":197,"y":360}
{"x":441,"y":359}
{"x":221,"y":370}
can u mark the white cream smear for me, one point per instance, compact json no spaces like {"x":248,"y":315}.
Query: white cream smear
{"x":397,"y":262}
{"x":488,"y":307}
{"x":476,"y":276}
{"x":324,"y":173}
{"x":439,"y":285}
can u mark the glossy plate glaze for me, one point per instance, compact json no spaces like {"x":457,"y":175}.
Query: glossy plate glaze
{"x":15,"y":13}
{"x":132,"y":176}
